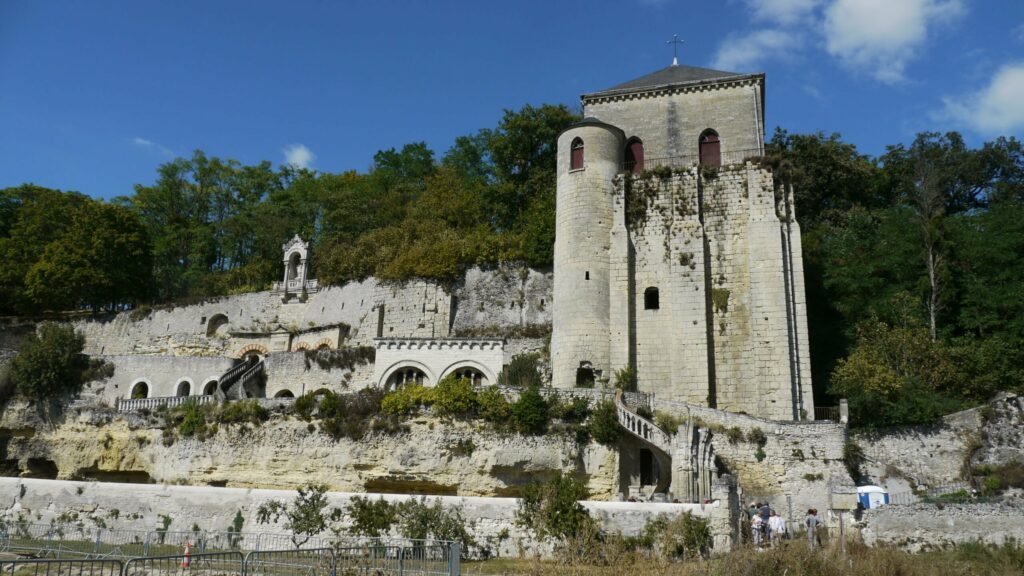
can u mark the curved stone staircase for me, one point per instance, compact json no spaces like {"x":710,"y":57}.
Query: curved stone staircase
{"x":650,"y":434}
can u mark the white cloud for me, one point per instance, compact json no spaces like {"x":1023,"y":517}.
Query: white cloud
{"x":741,"y":52}
{"x":996,"y":109}
{"x":298,"y":155}
{"x":150,"y":145}
{"x":882,"y":36}
{"x":783,"y":12}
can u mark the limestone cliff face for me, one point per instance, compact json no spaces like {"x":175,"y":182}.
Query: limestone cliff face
{"x":433,"y":457}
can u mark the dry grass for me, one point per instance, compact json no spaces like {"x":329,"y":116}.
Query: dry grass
{"x":795,"y":559}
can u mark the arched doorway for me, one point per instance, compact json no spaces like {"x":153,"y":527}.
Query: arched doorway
{"x":634,"y":156}
{"x":140,"y":390}
{"x":284,"y":394}
{"x":210,"y":388}
{"x":215,"y":323}
{"x":293,"y":265}
{"x":184,"y":388}
{"x":710,"y":149}
{"x":585,"y":375}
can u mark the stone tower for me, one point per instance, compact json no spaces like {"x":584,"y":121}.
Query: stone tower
{"x":676,"y":253}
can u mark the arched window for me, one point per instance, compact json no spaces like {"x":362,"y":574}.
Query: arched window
{"x":284,"y":394}
{"x":210,"y":389}
{"x":140,"y":390}
{"x":403,"y":376}
{"x":576,"y":154}
{"x":710,"y":149}
{"x":634,"y":156}
{"x":651,"y":299}
{"x":184,"y":388}
{"x":475,"y":376}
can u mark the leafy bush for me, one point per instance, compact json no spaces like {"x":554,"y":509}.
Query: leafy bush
{"x":50,"y":362}
{"x":530,"y":413}
{"x":604,"y":423}
{"x":373,"y":518}
{"x":305,"y":404}
{"x":455,"y":396}
{"x":574,"y":411}
{"x":243,"y":411}
{"x":734,"y":435}
{"x":552,"y":509}
{"x":624,"y":378}
{"x":493,"y":405}
{"x":521,"y":372}
{"x":756,"y":436}
{"x":853,"y":458}
{"x":667,"y":422}
{"x":683,"y":537}
{"x":407,"y":399}
{"x":999,"y":478}
{"x":190,"y":419}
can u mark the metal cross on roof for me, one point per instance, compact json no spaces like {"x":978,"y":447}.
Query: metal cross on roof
{"x":675,"y":42}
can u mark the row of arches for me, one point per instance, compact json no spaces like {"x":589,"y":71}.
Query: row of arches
{"x":709,"y":152}
{"x":411,"y":372}
{"x":143,"y":389}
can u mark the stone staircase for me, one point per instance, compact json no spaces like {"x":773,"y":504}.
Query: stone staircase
{"x":650,"y":434}
{"x":234,"y":383}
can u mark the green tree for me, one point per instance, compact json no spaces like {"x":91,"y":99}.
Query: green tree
{"x":50,"y":363}
{"x":305,"y":517}
{"x":530,"y":413}
{"x":102,"y":259}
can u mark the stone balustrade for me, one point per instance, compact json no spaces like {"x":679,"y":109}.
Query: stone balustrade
{"x":641,"y":427}
{"x":133,"y":404}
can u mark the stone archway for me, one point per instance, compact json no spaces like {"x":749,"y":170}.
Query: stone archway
{"x":406,"y":372}
{"x":253,"y":349}
{"x":140,"y":390}
{"x":286,"y":393}
{"x":184,"y":388}
{"x":477,"y":373}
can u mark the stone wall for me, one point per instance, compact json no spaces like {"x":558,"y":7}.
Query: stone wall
{"x":670,"y":122}
{"x":792,"y":471}
{"x":939,"y":454}
{"x":162,"y":375}
{"x":140,"y":507}
{"x":297,"y":374}
{"x":926,"y":526}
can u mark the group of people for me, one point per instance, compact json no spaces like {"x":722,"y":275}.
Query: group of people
{"x":768,"y":528}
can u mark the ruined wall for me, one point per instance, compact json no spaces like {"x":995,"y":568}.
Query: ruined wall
{"x":791,"y":469}
{"x":711,"y":243}
{"x":490,"y":520}
{"x":939,"y":454}
{"x":921,"y":527}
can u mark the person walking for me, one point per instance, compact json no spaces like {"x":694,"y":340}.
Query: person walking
{"x":812,"y":521}
{"x":757,"y":530}
{"x":765,"y":513}
{"x":777,"y":528}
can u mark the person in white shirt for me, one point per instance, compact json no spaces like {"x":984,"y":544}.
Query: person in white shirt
{"x":777,"y":527}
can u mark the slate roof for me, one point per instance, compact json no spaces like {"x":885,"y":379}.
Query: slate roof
{"x":668,"y":76}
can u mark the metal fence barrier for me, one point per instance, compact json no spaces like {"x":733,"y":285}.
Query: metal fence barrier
{"x":303,"y":562}
{"x":206,"y":564}
{"x":38,"y":567}
{"x":154,"y":552}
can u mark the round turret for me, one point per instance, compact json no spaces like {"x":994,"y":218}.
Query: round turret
{"x":589,"y":158}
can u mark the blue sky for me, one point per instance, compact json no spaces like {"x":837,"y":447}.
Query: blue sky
{"x":95,"y":95}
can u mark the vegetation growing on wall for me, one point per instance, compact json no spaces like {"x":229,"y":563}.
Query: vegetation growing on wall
{"x":50,"y":363}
